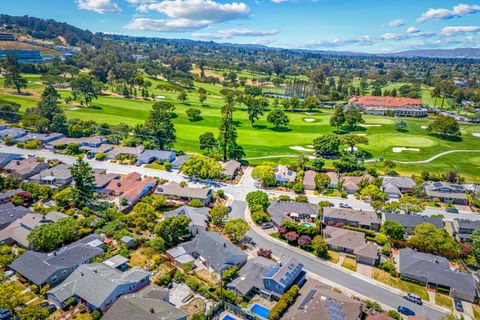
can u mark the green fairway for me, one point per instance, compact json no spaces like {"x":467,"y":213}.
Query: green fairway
{"x":262,"y":140}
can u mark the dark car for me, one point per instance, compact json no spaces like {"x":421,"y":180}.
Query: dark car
{"x":44,"y":304}
{"x":458,"y":305}
{"x":229,"y":209}
{"x":406,"y":311}
{"x":266,"y":225}
{"x":413,"y":298}
{"x":452,"y":210}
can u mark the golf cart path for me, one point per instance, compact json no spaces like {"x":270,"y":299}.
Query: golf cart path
{"x":435,"y":157}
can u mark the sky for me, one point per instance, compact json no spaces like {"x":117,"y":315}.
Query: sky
{"x":341,"y":25}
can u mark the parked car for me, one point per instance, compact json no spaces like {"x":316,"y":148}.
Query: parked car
{"x":452,"y":210}
{"x":406,"y":311}
{"x":266,"y":225}
{"x":229,"y":209}
{"x":458,"y":305}
{"x":413,"y":298}
{"x":138,"y":163}
{"x":344,"y":205}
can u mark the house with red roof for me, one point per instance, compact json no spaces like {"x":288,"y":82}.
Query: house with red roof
{"x":131,"y":187}
{"x":395,"y":106}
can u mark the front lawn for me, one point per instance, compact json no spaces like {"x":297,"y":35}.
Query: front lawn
{"x":333,"y":256}
{"x":350,"y":263}
{"x":403,"y":285}
{"x":443,"y":300}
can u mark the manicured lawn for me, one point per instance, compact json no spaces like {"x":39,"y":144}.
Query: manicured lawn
{"x":443,"y":300}
{"x":262,"y":140}
{"x":333,"y":256}
{"x":476,"y":311}
{"x":403,"y":285}
{"x":350,"y":263}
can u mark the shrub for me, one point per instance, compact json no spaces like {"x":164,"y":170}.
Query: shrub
{"x":285,"y":301}
{"x":167,"y":165}
{"x":260,"y":217}
{"x":304,"y":241}
{"x":257,"y":197}
{"x":367,"y":232}
{"x":195,"y":203}
{"x":32,"y":144}
{"x":381,"y":239}
{"x":386,"y":250}
{"x":291,"y":236}
{"x":389,"y":267}
{"x":394,"y":314}
{"x":266,"y":253}
{"x":70,"y":302}
{"x":298,"y":187}
{"x":301,"y":198}
{"x":100,"y":156}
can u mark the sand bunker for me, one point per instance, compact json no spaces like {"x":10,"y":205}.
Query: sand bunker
{"x":400,"y":149}
{"x":350,"y":149}
{"x":361,"y":134}
{"x":424,"y":127}
{"x":476,"y":134}
{"x":309,"y":113}
{"x":298,"y":148}
{"x":159,"y":97}
{"x":72,"y":109}
{"x":308,"y":119}
{"x":371,"y":125}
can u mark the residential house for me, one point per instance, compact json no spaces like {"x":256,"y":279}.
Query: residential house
{"x":151,"y":303}
{"x":6,"y":158}
{"x":129,"y":242}
{"x":54,"y":267}
{"x":250,"y":279}
{"x":62,"y":142}
{"x":463,"y":228}
{"x":179,"y":161}
{"x":7,"y":196}
{"x":445,"y":192}
{"x":98,"y":286}
{"x":174,"y":190}
{"x":436,"y":272}
{"x":351,"y":242}
{"x":93,"y":141}
{"x":230,"y":168}
{"x":352,"y":217}
{"x":12,"y":133}
{"x":351,"y":184}
{"x":279,"y":278}
{"x":214,"y":251}
{"x":290,"y":210}
{"x":318,"y":301}
{"x":284,"y":175}
{"x":198,"y":217}
{"x":148,"y":156}
{"x":93,"y":151}
{"x":130,"y":188}
{"x":42,"y":137}
{"x":25,"y":168}
{"x":309,"y":180}
{"x":10,"y":213}
{"x":102,"y":178}
{"x":396,"y":186}
{"x":120,"y":150}
{"x":18,"y":231}
{"x":59,"y":175}
{"x":473,"y":188}
{"x":334,"y":179}
{"x":411,"y":221}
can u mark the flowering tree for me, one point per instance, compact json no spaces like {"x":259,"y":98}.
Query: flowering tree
{"x":291,"y":236}
{"x":304,"y":241}
{"x":264,"y":253}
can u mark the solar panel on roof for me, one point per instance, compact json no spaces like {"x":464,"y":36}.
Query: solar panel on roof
{"x":307,"y":299}
{"x":334,"y":310}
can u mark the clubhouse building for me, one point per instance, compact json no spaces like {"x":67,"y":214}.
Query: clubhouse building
{"x":393,"y":106}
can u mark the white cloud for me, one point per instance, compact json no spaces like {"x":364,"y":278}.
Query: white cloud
{"x":165,"y":25}
{"x":279,"y":1}
{"x":141,"y":1}
{"x":408,"y":35}
{"x":230,"y":33}
{"x":452,"y":31}
{"x":99,"y":6}
{"x":185,"y":15}
{"x":412,"y":30}
{"x":396,"y":23}
{"x":444,"y":14}
{"x":263,"y":41}
{"x":340,"y":42}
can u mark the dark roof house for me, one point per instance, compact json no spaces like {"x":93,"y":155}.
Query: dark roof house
{"x":290,"y":210}
{"x":309,"y":180}
{"x":198,"y":217}
{"x":446,"y":192}
{"x":10,"y":213}
{"x":148,"y":156}
{"x":175,"y":190}
{"x":5,"y":158}
{"x":410,"y":221}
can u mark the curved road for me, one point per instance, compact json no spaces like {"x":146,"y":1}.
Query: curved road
{"x":389,"y":297}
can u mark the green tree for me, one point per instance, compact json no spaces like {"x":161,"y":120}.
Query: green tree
{"x":33,"y":312}
{"x":353,"y":140}
{"x":202,"y":167}
{"x":372,"y":192}
{"x":207,"y":141}
{"x":230,"y":274}
{"x":310,"y":103}
{"x":327,"y":144}
{"x":278,"y":118}
{"x":10,"y":296}
{"x":160,"y":126}
{"x":475,"y":239}
{"x":83,"y":88}
{"x":83,"y":190}
{"x":428,"y":238}
{"x":318,"y":164}
{"x":264,"y":173}
{"x":258,"y":198}
{"x":218,"y":213}
{"x":12,"y":77}
{"x":401,"y":126}
{"x":227,"y":137}
{"x":410,"y":204}
{"x":236,"y":229}
{"x":255,"y":107}
{"x":338,"y":118}
{"x":182,"y":96}
{"x":194,"y":114}
{"x":172,"y":229}
{"x":353,"y":118}
{"x":444,"y":126}
{"x":320,"y":247}
{"x":157,"y":244}
{"x":202,"y":95}
{"x":321,"y":181}
{"x":393,"y":230}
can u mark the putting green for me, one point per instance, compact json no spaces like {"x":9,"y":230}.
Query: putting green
{"x":409,"y":141}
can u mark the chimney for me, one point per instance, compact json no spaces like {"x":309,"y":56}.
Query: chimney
{"x":152,"y":311}
{"x":224,"y":244}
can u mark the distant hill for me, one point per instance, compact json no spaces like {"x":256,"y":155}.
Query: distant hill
{"x":49,"y":29}
{"x":472,"y":53}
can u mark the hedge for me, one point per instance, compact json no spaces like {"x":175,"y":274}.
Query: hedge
{"x":367,"y":232}
{"x":285,"y":301}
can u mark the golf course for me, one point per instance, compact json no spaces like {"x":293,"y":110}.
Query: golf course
{"x":262,"y":142}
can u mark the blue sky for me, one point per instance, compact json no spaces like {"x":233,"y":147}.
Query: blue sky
{"x":357,"y":25}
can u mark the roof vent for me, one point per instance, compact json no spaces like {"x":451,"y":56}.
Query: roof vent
{"x":224,"y":244}
{"x":152,"y":310}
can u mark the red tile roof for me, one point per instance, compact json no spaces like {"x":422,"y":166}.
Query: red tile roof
{"x":130,"y":186}
{"x":384,"y":101}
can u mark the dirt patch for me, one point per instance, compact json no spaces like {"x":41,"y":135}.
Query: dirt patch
{"x":298,"y":148}
{"x":400,"y":149}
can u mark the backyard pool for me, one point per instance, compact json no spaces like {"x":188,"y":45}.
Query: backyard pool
{"x":228,"y":317}
{"x":307,"y":225}
{"x":260,"y":311}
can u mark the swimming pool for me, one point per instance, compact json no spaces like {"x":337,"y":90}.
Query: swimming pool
{"x":306,"y":224}
{"x":260,"y":311}
{"x":228,"y":317}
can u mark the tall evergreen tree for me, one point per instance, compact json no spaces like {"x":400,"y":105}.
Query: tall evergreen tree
{"x":84,"y":188}
{"x":338,"y":118}
{"x":13,"y":78}
{"x":160,"y":126}
{"x":227,"y":137}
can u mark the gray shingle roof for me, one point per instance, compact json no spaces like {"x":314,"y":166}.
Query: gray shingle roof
{"x":441,"y":189}
{"x":198,"y":216}
{"x":179,"y":161}
{"x":435,"y":269}
{"x":413,"y":220}
{"x":214,"y":248}
{"x":60,"y":172}
{"x":468,"y":224}
{"x":13,"y":132}
{"x":363,"y":217}
{"x":38,"y":267}
{"x":279,"y":210}
{"x":42,"y":137}
{"x":174,"y":189}
{"x":94,"y":283}
{"x":9,"y":213}
{"x":309,"y":179}
{"x":5,"y":158}
{"x":399,"y":182}
{"x":149,"y":155}
{"x":251,"y":275}
{"x":230,"y":168}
